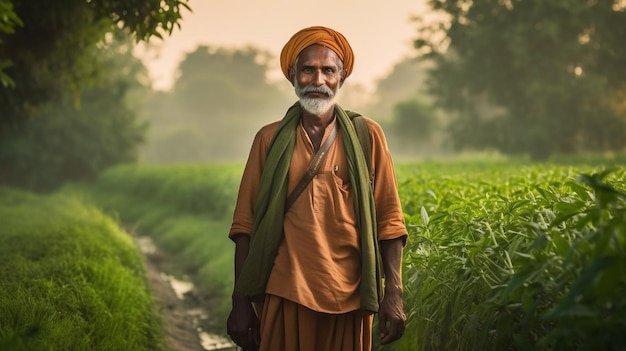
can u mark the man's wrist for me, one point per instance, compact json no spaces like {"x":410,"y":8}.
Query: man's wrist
{"x":393,"y":290}
{"x":240,"y":297}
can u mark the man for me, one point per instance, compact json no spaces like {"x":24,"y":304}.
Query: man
{"x":312,"y":262}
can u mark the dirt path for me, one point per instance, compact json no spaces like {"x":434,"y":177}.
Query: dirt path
{"x":181,"y":315}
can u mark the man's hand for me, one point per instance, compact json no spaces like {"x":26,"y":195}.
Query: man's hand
{"x":391,"y":318}
{"x":243,"y":324}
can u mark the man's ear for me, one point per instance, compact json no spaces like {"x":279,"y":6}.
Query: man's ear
{"x":292,"y":75}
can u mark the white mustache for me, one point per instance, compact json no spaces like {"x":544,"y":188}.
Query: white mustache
{"x":321,"y":89}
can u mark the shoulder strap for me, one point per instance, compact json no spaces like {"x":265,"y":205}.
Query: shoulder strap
{"x":362,"y":131}
{"x":313,"y":168}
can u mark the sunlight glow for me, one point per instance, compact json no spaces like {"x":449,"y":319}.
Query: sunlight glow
{"x":619,"y":5}
{"x":578,"y":71}
{"x":584,"y":38}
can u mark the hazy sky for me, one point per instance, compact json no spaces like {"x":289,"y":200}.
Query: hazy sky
{"x":379,"y":31}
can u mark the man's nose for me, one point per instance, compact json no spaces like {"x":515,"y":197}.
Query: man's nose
{"x":318,"y":78}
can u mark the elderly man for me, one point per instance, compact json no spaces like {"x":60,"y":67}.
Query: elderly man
{"x":319,"y":233}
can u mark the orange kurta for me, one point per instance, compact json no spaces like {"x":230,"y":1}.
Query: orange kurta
{"x":318,"y":262}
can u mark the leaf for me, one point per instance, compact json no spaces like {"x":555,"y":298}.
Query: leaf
{"x":546,"y":194}
{"x":584,"y":282}
{"x":424,"y":216}
{"x":518,"y":280}
{"x":566,"y":207}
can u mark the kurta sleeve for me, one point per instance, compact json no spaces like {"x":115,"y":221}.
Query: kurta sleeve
{"x":389,"y":215}
{"x":243,"y":216}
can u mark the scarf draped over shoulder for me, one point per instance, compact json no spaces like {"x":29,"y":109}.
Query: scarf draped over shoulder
{"x":270,"y":210}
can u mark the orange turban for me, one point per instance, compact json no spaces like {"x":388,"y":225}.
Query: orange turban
{"x":316,"y":35}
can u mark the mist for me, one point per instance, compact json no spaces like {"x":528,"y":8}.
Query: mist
{"x":222,"y":96}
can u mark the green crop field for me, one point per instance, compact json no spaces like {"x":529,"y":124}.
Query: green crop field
{"x":70,"y":279}
{"x":524,"y":257}
{"x":501,"y":254}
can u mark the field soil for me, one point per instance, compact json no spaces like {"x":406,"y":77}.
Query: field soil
{"x":179,"y":327}
{"x":182,"y":318}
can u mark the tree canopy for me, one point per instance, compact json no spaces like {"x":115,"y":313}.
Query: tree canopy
{"x":48,"y":47}
{"x":533,"y":77}
{"x":405,"y":80}
{"x":67,"y":71}
{"x":8,"y":21}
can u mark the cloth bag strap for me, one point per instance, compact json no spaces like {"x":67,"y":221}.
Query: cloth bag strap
{"x":313,"y":168}
{"x":362,"y":132}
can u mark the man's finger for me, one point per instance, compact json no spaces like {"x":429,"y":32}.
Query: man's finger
{"x":382,"y":326}
{"x":393,"y":333}
{"x":246,"y":341}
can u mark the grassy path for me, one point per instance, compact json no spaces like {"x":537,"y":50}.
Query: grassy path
{"x":182,"y":318}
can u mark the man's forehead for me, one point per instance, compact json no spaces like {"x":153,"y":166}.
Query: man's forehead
{"x":318,"y":52}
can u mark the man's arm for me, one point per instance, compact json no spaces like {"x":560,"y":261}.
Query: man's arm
{"x":242,"y":324}
{"x":391,"y":316}
{"x":242,"y":246}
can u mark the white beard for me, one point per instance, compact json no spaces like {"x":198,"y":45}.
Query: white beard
{"x":316,"y":106}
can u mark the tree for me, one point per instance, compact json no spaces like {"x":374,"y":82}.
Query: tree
{"x":220,"y":98}
{"x":413,"y":127}
{"x":405,"y":81}
{"x":536,"y":76}
{"x":405,"y":109}
{"x":52,"y":54}
{"x":68,"y":101}
{"x":60,"y":142}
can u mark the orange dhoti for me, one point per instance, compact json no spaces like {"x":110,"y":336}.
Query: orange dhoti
{"x":286,"y":325}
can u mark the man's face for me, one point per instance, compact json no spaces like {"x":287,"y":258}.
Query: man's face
{"x":317,"y":78}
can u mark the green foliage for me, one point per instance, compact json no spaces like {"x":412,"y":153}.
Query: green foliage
{"x":404,"y":108}
{"x":219,"y":101}
{"x":57,"y":35}
{"x":407,"y":80}
{"x":526,"y":257}
{"x":8,"y":21}
{"x":187,"y":210}
{"x":70,"y":279}
{"x":207,"y":190}
{"x":530,"y":77}
{"x":62,"y":142}
{"x":66,"y":82}
{"x":502,"y":254}
{"x":145,"y":18}
{"x":52,"y":55}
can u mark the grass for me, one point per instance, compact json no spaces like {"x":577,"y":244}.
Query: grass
{"x":502,"y":254}
{"x":187,"y":211}
{"x":70,"y":279}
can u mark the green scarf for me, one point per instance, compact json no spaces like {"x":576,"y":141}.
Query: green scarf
{"x":270,"y":209}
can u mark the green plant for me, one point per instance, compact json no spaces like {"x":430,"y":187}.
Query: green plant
{"x":522,"y":259}
{"x":70,"y":279}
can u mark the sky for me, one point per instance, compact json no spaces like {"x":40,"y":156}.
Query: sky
{"x":380,"y":32}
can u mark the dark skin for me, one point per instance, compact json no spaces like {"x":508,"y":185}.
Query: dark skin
{"x":243,"y":325}
{"x":318,"y":65}
{"x":391,"y":317}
